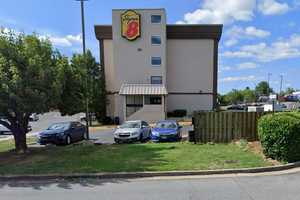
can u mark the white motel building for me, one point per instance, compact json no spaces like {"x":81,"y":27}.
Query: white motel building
{"x":152,"y":68}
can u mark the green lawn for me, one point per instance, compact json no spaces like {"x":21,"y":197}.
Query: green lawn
{"x":127,"y":158}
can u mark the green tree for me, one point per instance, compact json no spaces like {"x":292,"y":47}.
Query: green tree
{"x":263,"y":88}
{"x":234,"y":97}
{"x":248,"y":95}
{"x":288,"y":90}
{"x":28,"y":81}
{"x":82,"y":69}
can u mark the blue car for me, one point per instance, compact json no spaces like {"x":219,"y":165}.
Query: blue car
{"x":63,"y":133}
{"x":168,"y":130}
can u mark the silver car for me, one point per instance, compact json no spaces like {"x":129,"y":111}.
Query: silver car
{"x":131,"y":131}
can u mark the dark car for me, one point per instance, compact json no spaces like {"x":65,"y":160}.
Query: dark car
{"x":167,"y":130}
{"x":63,"y":133}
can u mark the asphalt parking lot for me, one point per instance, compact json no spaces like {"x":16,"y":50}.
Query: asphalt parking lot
{"x":101,"y":135}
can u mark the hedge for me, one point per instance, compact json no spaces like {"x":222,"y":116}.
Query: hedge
{"x":280,"y":136}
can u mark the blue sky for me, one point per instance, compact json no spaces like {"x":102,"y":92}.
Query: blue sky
{"x":259,"y":36}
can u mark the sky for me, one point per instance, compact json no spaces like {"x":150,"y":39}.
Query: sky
{"x":260,"y":37}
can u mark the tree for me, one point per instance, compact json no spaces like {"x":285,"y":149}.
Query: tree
{"x":28,"y":81}
{"x":234,"y":97}
{"x":248,"y":95}
{"x":263,"y":88}
{"x":288,"y":91}
{"x":74,"y":86}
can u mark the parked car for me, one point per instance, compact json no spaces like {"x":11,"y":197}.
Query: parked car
{"x":131,"y":131}
{"x":4,"y":130}
{"x":63,"y":133}
{"x":168,"y":130}
{"x":33,"y":117}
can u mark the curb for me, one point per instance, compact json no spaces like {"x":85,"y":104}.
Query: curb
{"x":132,"y":175}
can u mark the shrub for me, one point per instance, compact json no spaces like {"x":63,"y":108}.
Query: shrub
{"x":177,"y":113}
{"x":280,"y":136}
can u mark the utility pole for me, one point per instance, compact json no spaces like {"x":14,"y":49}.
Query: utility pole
{"x":281,"y":82}
{"x":269,"y":75}
{"x":87,"y":71}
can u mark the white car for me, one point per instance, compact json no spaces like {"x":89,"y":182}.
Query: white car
{"x":131,"y":131}
{"x":4,"y":130}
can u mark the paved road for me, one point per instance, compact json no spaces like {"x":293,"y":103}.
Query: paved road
{"x":279,"y":187}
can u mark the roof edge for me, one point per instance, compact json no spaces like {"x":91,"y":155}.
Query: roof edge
{"x":174,"y":31}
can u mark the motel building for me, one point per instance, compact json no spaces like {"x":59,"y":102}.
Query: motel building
{"x":152,"y":68}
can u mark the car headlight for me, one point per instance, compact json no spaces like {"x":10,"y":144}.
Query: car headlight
{"x":155,"y":133}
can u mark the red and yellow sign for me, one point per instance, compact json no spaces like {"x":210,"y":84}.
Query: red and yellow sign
{"x":131,"y":25}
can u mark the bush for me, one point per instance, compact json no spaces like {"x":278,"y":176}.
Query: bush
{"x":177,"y":113}
{"x":280,"y":136}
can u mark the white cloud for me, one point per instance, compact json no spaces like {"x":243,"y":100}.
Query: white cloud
{"x":219,"y":12}
{"x":281,"y":49}
{"x":225,"y":68}
{"x":231,"y":42}
{"x":238,"y":78}
{"x":65,"y":41}
{"x":247,"y":65}
{"x":272,"y":7}
{"x":235,"y":33}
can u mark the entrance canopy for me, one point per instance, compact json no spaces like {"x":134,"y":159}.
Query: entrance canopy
{"x":143,"y":89}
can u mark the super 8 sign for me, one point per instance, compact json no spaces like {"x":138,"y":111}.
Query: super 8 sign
{"x":131,"y":25}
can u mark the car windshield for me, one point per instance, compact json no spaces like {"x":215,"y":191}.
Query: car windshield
{"x":131,"y":125}
{"x":59,"y":126}
{"x":166,"y":125}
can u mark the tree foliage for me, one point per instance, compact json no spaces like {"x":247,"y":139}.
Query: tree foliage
{"x":28,"y":81}
{"x":263,"y":88}
{"x":35,"y":78}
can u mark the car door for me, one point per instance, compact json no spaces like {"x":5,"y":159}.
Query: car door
{"x":75,"y":132}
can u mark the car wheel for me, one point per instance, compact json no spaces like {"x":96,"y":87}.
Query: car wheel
{"x":117,"y":141}
{"x":68,"y":140}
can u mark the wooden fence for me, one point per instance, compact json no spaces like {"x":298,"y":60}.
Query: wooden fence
{"x":223,"y":127}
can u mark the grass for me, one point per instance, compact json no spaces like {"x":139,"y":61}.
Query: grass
{"x":127,"y":158}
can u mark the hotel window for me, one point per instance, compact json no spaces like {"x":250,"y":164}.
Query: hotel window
{"x":155,"y":61}
{"x":155,"y":40}
{"x":153,"y":100}
{"x":156,"y":79}
{"x":155,"y":19}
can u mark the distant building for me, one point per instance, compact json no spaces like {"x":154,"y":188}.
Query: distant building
{"x":152,"y":68}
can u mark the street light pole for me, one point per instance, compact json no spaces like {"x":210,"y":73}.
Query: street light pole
{"x":87,"y":71}
{"x":269,"y":75}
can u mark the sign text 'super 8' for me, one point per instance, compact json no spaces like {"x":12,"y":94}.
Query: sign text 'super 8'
{"x":131,"y":25}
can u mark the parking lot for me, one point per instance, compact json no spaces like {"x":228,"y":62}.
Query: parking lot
{"x":103,"y":135}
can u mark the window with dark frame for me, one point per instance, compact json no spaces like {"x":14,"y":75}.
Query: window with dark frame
{"x":156,"y":61}
{"x":155,"y":19}
{"x":153,"y":100}
{"x":156,"y":79}
{"x":155,"y":40}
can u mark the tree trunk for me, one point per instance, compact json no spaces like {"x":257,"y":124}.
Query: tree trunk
{"x":20,"y":140}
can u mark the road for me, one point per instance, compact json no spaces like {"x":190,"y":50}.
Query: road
{"x":274,"y":187}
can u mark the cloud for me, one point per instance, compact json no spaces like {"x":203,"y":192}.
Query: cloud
{"x":278,"y":50}
{"x":238,"y":78}
{"x":247,"y":65}
{"x":235,"y":33}
{"x":272,"y":7}
{"x":231,"y":42}
{"x":225,"y":68}
{"x":218,"y":12}
{"x":65,"y":41}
